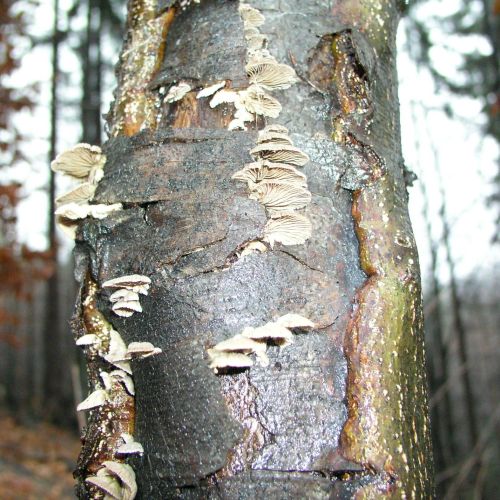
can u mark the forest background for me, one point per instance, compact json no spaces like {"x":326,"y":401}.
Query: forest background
{"x":56,"y":80}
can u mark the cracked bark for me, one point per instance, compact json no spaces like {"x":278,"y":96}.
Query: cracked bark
{"x":287,"y":430}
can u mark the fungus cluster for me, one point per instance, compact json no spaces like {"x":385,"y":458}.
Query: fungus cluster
{"x":275,"y":182}
{"x":236,"y":351}
{"x":83,"y":163}
{"x":116,"y":479}
{"x":125,"y":298}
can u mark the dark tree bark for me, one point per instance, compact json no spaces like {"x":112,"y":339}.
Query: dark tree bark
{"x":341,"y":412}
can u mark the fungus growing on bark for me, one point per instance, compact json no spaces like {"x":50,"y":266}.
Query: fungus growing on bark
{"x":129,"y":446}
{"x":133,"y":282}
{"x":264,"y":171}
{"x":126,"y":308}
{"x":126,"y":477}
{"x":117,"y":351}
{"x":118,"y":376}
{"x":88,"y":339}
{"x":109,"y":485}
{"x":79,"y":161}
{"x":80,"y":194}
{"x":76,"y":211}
{"x":257,"y":101}
{"x":283,"y":153}
{"x":292,"y":320}
{"x":253,"y":247}
{"x":177,"y":92}
{"x":270,"y":331}
{"x":289,"y":229}
{"x":270,"y":75}
{"x":141,"y":350}
{"x":280,"y":197}
{"x":274,"y":137}
{"x":208,"y":91}
{"x":224,"y":96}
{"x":123,"y":294}
{"x":221,"y":360}
{"x":241,"y":344}
{"x":252,"y":18}
{"x":93,"y":400}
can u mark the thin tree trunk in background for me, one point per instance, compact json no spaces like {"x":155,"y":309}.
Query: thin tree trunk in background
{"x":342,"y":411}
{"x":441,"y":410}
{"x":91,"y":73}
{"x":53,"y":369}
{"x":456,"y":311}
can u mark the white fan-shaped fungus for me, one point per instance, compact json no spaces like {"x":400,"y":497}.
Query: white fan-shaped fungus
{"x":283,"y":153}
{"x":78,"y":161}
{"x":93,"y":400}
{"x":177,"y":92}
{"x":212,"y":89}
{"x":281,"y":197}
{"x":271,"y":75}
{"x":289,"y":229}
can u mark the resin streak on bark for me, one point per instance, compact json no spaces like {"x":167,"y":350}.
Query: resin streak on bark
{"x":387,"y":428}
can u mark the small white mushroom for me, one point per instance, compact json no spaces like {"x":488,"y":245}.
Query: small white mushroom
{"x":130,"y":449}
{"x":262,"y":56}
{"x":177,"y":92}
{"x":250,"y":32}
{"x":130,"y":446}
{"x":212,"y":89}
{"x":123,"y":294}
{"x":271,"y":331}
{"x":76,"y":211}
{"x":134,"y":282}
{"x":79,"y":161}
{"x":257,"y":101}
{"x":117,"y":349}
{"x":289,"y":229}
{"x":107,"y":484}
{"x":230,"y":360}
{"x":253,"y":247}
{"x":224,"y":96}
{"x":263,"y":171}
{"x":125,"y":379}
{"x":280,"y":153}
{"x":245,"y":345}
{"x":123,"y":307}
{"x":271,"y":76}
{"x":241,"y":116}
{"x":93,"y":400}
{"x":141,"y":350}
{"x":126,"y":475}
{"x":88,"y":339}
{"x":79,"y":194}
{"x":281,"y":197}
{"x":293,"y":320}
{"x":252,"y":18}
{"x":275,"y":137}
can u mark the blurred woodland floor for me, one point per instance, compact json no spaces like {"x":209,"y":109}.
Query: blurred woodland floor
{"x":36,"y":462}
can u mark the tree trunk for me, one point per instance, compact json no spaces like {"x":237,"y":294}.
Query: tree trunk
{"x":342,"y":411}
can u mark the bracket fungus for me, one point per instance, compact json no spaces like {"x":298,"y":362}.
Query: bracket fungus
{"x":177,"y":92}
{"x":93,"y":400}
{"x":255,"y":100}
{"x":210,"y":90}
{"x":289,"y":229}
{"x":129,"y":446}
{"x":252,"y":18}
{"x":115,"y":479}
{"x":133,"y":282}
{"x":224,"y":360}
{"x":141,"y":350}
{"x":284,"y":153}
{"x":271,"y":75}
{"x":280,"y":197}
{"x":81,"y":162}
{"x":79,"y":194}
